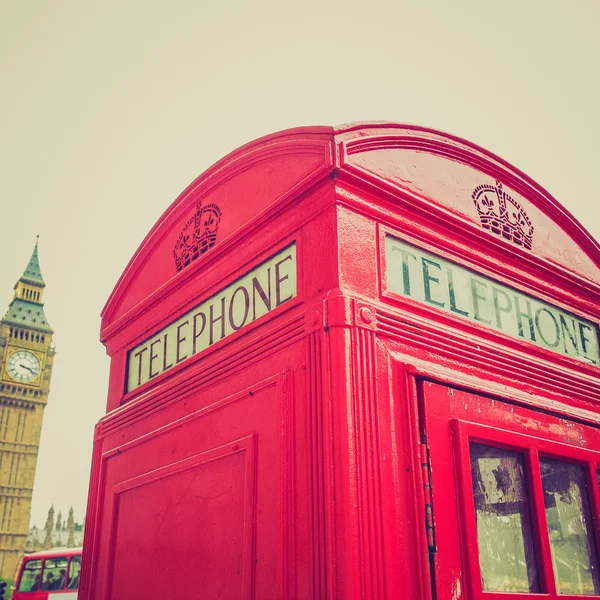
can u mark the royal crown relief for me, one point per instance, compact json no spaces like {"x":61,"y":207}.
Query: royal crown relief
{"x":198,"y":235}
{"x":501,"y":214}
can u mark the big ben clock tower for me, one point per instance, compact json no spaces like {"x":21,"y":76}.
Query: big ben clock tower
{"x":26,"y":357}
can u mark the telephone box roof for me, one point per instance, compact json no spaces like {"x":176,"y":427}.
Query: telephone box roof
{"x":264,"y":177}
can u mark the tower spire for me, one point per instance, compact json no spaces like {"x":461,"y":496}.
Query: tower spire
{"x":26,"y":309}
{"x":32,"y":273}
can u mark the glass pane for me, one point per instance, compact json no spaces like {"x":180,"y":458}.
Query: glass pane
{"x":570,"y":528}
{"x":55,"y":573}
{"x":30,"y":579}
{"x":504,"y":534}
{"x":74,"y":569}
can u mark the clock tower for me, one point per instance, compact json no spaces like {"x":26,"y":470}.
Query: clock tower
{"x":26,"y":357}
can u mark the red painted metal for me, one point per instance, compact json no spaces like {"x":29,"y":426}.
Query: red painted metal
{"x":292,"y":457}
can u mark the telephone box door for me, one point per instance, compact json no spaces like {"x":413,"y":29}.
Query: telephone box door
{"x":516,"y":501}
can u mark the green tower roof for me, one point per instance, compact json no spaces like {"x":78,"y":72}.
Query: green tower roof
{"x":27,"y":312}
{"x":32,"y":273}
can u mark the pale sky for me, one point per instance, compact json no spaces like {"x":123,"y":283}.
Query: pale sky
{"x":109,"y":109}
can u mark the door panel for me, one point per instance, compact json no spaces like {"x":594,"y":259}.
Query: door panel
{"x":515,"y":499}
{"x":195,"y":508}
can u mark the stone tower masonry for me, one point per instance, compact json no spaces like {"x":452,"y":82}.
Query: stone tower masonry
{"x":26,"y":358}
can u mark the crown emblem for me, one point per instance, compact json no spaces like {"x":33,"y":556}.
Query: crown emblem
{"x":502,"y":214}
{"x":198,"y":235}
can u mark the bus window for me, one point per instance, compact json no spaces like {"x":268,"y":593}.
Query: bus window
{"x":55,"y":573}
{"x":74,"y":568}
{"x":30,"y":578}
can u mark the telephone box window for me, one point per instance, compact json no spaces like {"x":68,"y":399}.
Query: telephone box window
{"x":570,"y":529}
{"x":504,"y":532}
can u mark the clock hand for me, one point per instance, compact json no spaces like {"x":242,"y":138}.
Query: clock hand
{"x":26,"y":367}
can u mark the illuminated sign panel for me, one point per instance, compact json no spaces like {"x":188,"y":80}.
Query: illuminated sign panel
{"x":260,"y":291}
{"x":432,"y":280}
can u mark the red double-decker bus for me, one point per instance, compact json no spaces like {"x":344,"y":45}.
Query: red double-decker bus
{"x":51,"y":572}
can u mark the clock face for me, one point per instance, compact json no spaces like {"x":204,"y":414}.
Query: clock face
{"x":23,"y":366}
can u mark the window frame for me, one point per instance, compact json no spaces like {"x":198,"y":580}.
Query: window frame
{"x":532,"y":448}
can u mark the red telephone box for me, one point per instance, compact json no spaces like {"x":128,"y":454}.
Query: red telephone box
{"x":353,"y":362}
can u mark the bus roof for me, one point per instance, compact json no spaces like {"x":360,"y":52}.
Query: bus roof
{"x":53,"y":552}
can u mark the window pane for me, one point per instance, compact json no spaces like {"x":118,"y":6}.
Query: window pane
{"x":504,"y":534}
{"x":30,"y":580}
{"x":55,"y":573}
{"x":74,"y":568}
{"x":570,"y":528}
